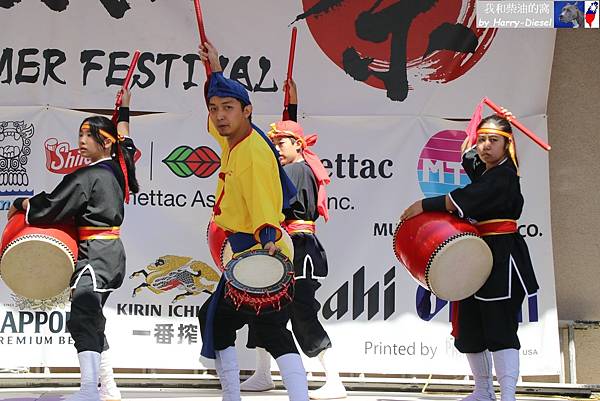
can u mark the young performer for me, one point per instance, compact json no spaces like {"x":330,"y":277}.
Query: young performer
{"x":92,"y":198}
{"x":487,"y":321}
{"x":310,"y":261}
{"x":251,"y":192}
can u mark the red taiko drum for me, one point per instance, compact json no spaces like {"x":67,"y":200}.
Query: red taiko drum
{"x":217,"y":239}
{"x":444,"y":253}
{"x":37,"y":262}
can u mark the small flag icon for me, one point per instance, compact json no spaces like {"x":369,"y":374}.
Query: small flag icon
{"x":591,"y":14}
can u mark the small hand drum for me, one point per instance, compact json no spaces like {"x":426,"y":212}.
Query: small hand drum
{"x":444,"y":254}
{"x":220,"y":249}
{"x":37,"y":262}
{"x":259,"y":283}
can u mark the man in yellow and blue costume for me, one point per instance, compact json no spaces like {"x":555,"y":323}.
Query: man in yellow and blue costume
{"x":251,"y":193}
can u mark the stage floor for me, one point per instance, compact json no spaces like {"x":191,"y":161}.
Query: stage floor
{"x":50,"y":394}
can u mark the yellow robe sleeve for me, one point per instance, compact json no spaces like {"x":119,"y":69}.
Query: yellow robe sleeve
{"x":262,"y":195}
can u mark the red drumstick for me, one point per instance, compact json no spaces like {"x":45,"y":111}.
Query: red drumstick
{"x":517,"y":124}
{"x":203,"y":38}
{"x":130,"y":71}
{"x":286,"y":99}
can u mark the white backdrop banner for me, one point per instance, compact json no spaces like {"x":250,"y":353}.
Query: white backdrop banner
{"x":351,"y":59}
{"x":388,"y":99}
{"x":378,"y":166}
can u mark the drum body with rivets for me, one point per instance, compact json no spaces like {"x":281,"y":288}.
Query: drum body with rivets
{"x":444,"y":253}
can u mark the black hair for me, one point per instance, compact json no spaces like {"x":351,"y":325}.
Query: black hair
{"x":98,"y":123}
{"x":244,"y":104}
{"x":497,"y":120}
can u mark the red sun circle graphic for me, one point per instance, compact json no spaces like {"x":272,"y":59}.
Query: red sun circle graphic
{"x":373,"y":28}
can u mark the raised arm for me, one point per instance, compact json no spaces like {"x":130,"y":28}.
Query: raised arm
{"x":209,"y":54}
{"x":293,"y":106}
{"x":123,"y":120}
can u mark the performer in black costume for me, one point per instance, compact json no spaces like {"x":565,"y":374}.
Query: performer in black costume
{"x":309,"y":176}
{"x":92,"y":199}
{"x":487,"y":322}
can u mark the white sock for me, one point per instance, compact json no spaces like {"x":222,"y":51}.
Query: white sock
{"x":333,"y":387}
{"x":294,"y":376}
{"x":506,"y":363}
{"x":89,"y":366}
{"x":261,"y":378}
{"x":481,"y":367}
{"x":229,"y":373}
{"x":108,"y":387}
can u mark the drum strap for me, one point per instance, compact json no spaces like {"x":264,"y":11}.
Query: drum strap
{"x":497,"y":227}
{"x":299,"y":226}
{"x":89,"y":232}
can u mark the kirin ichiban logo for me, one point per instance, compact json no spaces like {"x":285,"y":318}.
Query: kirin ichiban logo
{"x":181,"y":273}
{"x":62,"y":159}
{"x":439,"y":170}
{"x":380,"y":41}
{"x":185,"y":161}
{"x":15,"y":148}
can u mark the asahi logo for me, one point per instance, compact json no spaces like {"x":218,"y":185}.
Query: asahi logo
{"x":338,"y":303}
{"x":380,"y":299}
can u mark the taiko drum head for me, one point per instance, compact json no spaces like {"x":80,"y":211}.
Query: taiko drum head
{"x":459,"y":268}
{"x":37,"y":262}
{"x":258,"y":282}
{"x":257,"y":272}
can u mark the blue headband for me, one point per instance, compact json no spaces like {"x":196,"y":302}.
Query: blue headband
{"x":222,"y":87}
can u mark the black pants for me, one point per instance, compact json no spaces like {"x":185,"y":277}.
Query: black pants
{"x":307,"y":328}
{"x":490,"y":325}
{"x":270,"y":328}
{"x":86,"y":321}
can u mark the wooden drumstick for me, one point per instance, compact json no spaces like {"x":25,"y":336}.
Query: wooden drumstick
{"x":202,"y":33}
{"x":518,"y":124}
{"x":286,"y":99}
{"x":126,"y":82}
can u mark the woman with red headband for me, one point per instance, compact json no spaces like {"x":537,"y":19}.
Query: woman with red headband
{"x":488,"y":320}
{"x":310,"y":177}
{"x":92,"y":198}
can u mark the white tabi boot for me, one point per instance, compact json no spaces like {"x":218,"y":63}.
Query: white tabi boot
{"x":506,"y":363}
{"x":108,"y":386}
{"x":89,"y":366}
{"x":333,"y":387}
{"x":261,"y":378}
{"x":481,"y":367}
{"x":293,"y":376}
{"x":228,"y":370}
